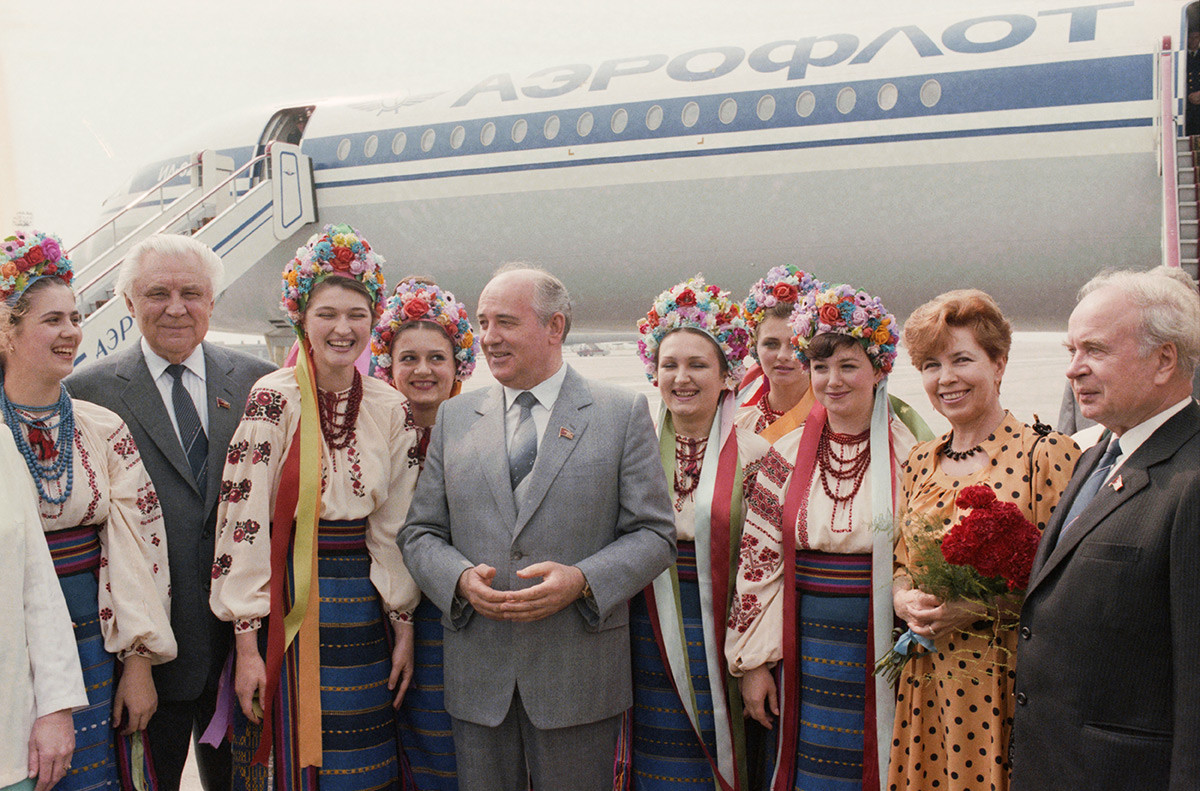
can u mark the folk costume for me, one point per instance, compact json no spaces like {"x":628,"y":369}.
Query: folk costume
{"x":812,"y":606}
{"x":104,"y":528}
{"x":315,"y":489}
{"x":959,"y":701}
{"x":686,"y":722}
{"x":425,"y":727}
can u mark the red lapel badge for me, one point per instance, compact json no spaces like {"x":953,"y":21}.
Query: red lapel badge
{"x":1117,"y":484}
{"x":565,"y":433}
{"x":221,"y":402}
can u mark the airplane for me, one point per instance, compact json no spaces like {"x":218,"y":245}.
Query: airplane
{"x":1017,"y":147}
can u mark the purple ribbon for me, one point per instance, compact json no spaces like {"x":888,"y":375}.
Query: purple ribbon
{"x":222,"y":719}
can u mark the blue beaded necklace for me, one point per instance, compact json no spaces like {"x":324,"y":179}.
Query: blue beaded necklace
{"x":64,"y":443}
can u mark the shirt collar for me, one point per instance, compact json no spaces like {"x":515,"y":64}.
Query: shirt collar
{"x":545,"y":391}
{"x":1132,"y":439}
{"x":158,"y":365}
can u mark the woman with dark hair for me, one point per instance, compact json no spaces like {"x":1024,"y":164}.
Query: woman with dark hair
{"x":686,"y":724}
{"x":99,"y":511}
{"x":955,"y":706}
{"x":812,"y":556}
{"x":316,"y":486}
{"x":424,"y":346}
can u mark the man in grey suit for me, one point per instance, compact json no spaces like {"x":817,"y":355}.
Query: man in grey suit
{"x":1107,"y":692}
{"x":541,"y":510}
{"x":174,"y":390}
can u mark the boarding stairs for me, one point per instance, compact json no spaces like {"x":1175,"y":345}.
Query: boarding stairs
{"x":1179,"y":160}
{"x":242,"y":213}
{"x":1188,"y":176}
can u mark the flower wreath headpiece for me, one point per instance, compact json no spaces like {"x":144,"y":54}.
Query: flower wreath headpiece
{"x":846,"y":311}
{"x":415,"y":301}
{"x":695,"y":305}
{"x":782,"y":284}
{"x":28,"y":256}
{"x":338,"y":251}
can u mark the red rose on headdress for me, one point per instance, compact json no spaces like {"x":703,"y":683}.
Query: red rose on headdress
{"x":35,"y":255}
{"x":686,"y":298}
{"x":652,"y":316}
{"x":51,"y":269}
{"x":831,"y":315}
{"x":785,"y":292}
{"x":415,"y":308}
{"x":342,"y":256}
{"x":67,"y":276}
{"x":22,"y":264}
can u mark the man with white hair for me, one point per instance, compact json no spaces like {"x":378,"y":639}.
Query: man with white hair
{"x":1107,"y":692}
{"x":181,"y":398}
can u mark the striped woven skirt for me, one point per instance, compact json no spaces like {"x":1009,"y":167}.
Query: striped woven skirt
{"x":103,"y":759}
{"x":360,"y":749}
{"x":666,"y":751}
{"x":834,"y":595}
{"x":424,"y":724}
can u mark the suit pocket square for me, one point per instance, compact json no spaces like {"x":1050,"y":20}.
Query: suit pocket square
{"x":1116,"y":553}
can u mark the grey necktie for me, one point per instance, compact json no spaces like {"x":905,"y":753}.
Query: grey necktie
{"x":1091,"y":486}
{"x":523,"y":451}
{"x":191,"y":433}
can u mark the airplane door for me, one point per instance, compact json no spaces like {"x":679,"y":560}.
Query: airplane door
{"x":291,"y":189}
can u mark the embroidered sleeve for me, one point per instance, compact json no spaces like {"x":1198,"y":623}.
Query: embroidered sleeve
{"x":390,"y":576}
{"x":134,"y":578}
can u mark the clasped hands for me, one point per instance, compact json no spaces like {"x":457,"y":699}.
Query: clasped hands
{"x":560,"y":586}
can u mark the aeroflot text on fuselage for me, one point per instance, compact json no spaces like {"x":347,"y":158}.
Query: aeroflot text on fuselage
{"x":799,"y":57}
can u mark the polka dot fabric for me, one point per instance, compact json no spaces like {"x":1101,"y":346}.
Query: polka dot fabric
{"x":954,"y":709}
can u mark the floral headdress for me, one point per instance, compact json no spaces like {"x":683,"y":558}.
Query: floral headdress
{"x":846,"y":311}
{"x":694,"y":305}
{"x":416,"y":301}
{"x":782,"y":284}
{"x":29,"y":256}
{"x":338,"y":251}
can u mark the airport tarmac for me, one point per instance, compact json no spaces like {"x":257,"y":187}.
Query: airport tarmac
{"x":1033,"y":384}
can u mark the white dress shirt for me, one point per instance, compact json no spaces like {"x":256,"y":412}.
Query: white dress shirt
{"x":546,"y":392}
{"x":1135,"y":437}
{"x":193,"y":382}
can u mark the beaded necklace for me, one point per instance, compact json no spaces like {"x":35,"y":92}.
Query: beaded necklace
{"x":959,"y":455}
{"x":61,"y":451}
{"x":338,"y":428}
{"x":849,"y":467}
{"x":689,"y":453}
{"x":767,"y":417}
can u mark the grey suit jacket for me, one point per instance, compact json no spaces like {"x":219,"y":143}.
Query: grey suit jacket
{"x":1108,"y":688}
{"x":597,"y":499}
{"x":122,"y":383}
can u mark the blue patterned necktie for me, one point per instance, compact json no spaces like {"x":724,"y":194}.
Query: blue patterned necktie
{"x":523,"y":452}
{"x":191,"y":433}
{"x":1091,"y":486}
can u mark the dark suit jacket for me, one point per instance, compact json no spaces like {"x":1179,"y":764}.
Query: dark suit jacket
{"x":122,"y":383}
{"x":1108,"y":662}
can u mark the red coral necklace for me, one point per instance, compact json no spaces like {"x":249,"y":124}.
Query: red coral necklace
{"x":768,"y":415}
{"x":338,"y":427}
{"x":849,"y":465}
{"x":689,"y":453}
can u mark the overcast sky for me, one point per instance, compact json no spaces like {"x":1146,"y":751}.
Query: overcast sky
{"x":89,"y":91}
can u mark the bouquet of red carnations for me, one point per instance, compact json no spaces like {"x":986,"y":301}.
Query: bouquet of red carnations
{"x":987,"y":555}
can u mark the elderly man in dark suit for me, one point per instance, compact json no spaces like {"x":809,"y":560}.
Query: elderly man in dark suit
{"x":1108,"y":691}
{"x":181,"y":398}
{"x":541,"y":510}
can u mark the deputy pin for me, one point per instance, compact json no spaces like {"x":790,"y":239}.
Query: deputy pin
{"x":565,"y":433}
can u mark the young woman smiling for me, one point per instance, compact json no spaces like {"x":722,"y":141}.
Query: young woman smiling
{"x":316,"y":486}
{"x":425,"y":347}
{"x":98,"y":508}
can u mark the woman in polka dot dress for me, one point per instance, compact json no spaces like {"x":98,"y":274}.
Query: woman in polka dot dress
{"x":954,"y":708}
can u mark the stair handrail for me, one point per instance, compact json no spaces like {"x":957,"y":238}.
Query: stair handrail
{"x":133,"y":204}
{"x":199,"y":201}
{"x":1170,"y":162}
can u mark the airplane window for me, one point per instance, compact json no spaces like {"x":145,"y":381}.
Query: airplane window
{"x":887,"y":96}
{"x":398,"y":143}
{"x":550,"y":130}
{"x":620,"y":119}
{"x":728,"y":111}
{"x":427,"y":139}
{"x":584,"y":125}
{"x":931,"y":93}
{"x":766,"y":107}
{"x":520,"y":127}
{"x":806,"y":102}
{"x":371,"y":146}
{"x":691,"y":114}
{"x":846,"y":99}
{"x":343,"y":149}
{"x":487,"y":134}
{"x":654,"y":118}
{"x":457,"y":137}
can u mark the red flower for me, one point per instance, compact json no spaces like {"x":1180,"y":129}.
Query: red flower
{"x":976,"y":496}
{"x":831,"y":315}
{"x":415,"y":308}
{"x":23,"y":264}
{"x":651,"y":318}
{"x":785,"y":292}
{"x":35,"y":255}
{"x":995,"y":539}
{"x":342,"y":256}
{"x":686,"y":298}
